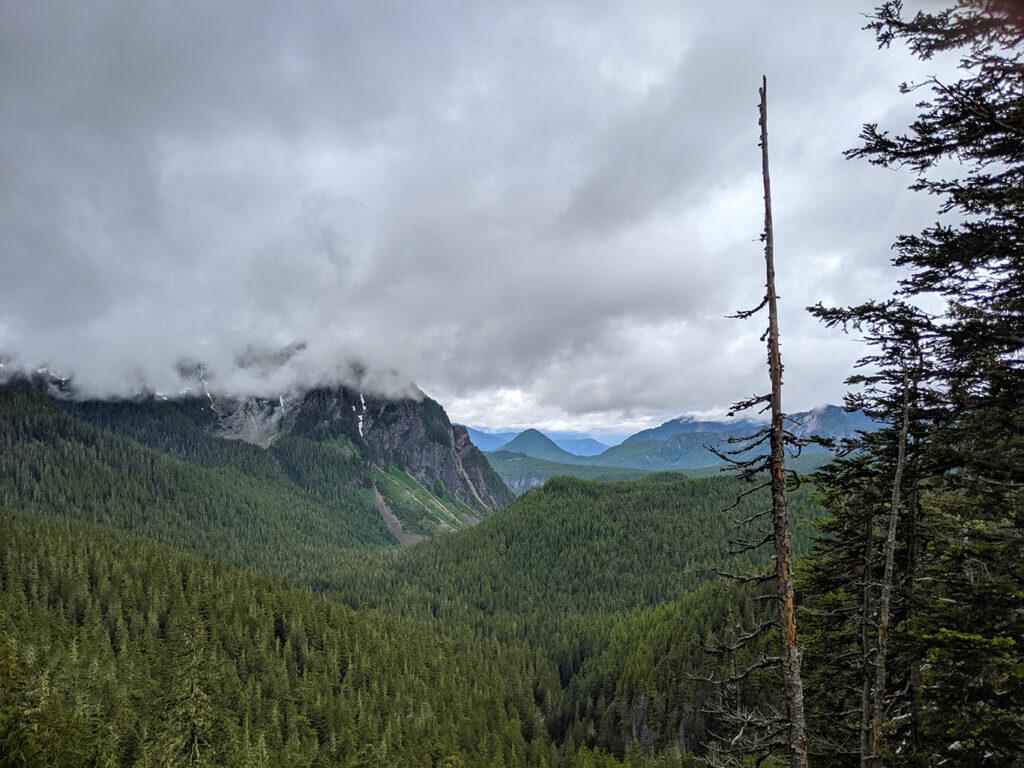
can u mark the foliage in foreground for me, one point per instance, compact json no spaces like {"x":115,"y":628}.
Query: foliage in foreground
{"x":916,"y":592}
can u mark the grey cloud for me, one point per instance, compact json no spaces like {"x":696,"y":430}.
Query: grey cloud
{"x":556,"y":199}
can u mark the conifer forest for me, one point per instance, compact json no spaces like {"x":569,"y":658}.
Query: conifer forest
{"x":170,"y":597}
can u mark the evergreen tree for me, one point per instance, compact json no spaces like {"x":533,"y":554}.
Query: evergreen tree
{"x":186,"y":709}
{"x":959,"y":602}
{"x":861,"y":572}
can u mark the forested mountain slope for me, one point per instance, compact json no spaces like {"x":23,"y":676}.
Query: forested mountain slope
{"x":593,"y":599}
{"x":530,"y":593}
{"x":60,"y":466}
{"x":331,"y":450}
{"x":114,"y":651}
{"x":577,"y":570}
{"x":570,"y":548}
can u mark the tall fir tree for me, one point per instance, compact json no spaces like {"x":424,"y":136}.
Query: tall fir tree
{"x":956,"y":694}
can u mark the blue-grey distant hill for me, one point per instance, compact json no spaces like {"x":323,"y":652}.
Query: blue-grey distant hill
{"x":489,"y":441}
{"x":574,"y":444}
{"x":580,"y":446}
{"x":681,"y":443}
{"x":538,"y":445}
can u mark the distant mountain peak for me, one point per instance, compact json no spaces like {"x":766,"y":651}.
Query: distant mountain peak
{"x":536,"y":444}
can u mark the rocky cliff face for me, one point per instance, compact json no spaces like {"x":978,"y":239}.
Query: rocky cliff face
{"x":417,"y":436}
{"x":482,"y":477}
{"x":253,"y":420}
{"x":413,"y":435}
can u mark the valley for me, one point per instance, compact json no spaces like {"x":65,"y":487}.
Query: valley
{"x":352,"y":584}
{"x":235,"y":533}
{"x":258,"y":568}
{"x":527,"y":459}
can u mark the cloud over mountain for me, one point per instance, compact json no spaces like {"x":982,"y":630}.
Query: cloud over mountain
{"x":556,"y":200}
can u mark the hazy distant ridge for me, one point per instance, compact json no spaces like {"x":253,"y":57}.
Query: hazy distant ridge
{"x":680,"y":443}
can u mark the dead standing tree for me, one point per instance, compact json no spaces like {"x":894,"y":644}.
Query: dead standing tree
{"x":768,"y":470}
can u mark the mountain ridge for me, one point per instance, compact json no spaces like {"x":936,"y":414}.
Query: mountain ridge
{"x":489,"y":441}
{"x":332,"y":445}
{"x":581,"y":446}
{"x":678,"y":444}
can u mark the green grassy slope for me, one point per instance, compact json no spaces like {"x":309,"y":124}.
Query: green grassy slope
{"x":419,"y":511}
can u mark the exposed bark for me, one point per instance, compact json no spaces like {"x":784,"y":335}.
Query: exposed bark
{"x":777,"y":727}
{"x":885,"y":599}
{"x":915,"y":663}
{"x":780,"y":506}
{"x":866,"y":710}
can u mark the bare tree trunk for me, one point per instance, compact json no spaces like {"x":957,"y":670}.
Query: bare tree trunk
{"x":866,"y":710}
{"x":913,"y":509}
{"x":780,"y":506}
{"x":885,"y":599}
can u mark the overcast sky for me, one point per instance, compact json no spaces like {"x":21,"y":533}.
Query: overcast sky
{"x":540,"y":212}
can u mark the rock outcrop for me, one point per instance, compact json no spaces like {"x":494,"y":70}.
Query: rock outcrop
{"x":488,"y":485}
{"x":415,"y":435}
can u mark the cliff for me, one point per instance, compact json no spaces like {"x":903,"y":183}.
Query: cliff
{"x":347,"y":449}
